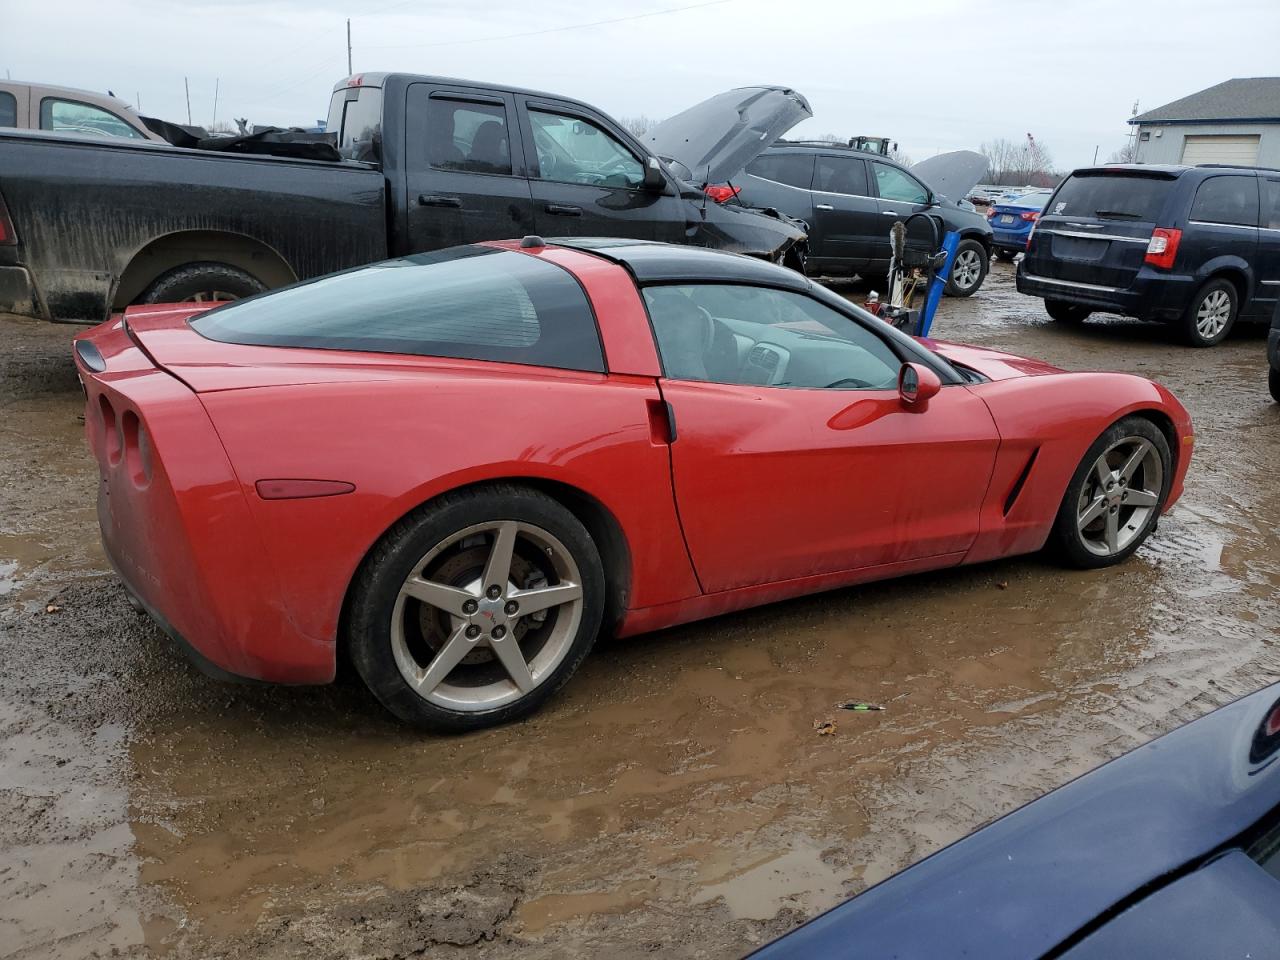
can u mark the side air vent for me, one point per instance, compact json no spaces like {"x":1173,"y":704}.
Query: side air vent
{"x":1020,"y":482}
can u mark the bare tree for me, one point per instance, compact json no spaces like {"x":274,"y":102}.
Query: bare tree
{"x":903,"y":158}
{"x":1126,"y":154}
{"x":638,"y":125}
{"x":1019,"y":164}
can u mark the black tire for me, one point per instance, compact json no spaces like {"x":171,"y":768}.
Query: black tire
{"x":1273,"y":383}
{"x":1005,"y":256}
{"x":966,"y":249}
{"x":1189,"y":325}
{"x":401,"y":552}
{"x":1066,"y":541}
{"x":202,"y":282}
{"x":1065,"y":312}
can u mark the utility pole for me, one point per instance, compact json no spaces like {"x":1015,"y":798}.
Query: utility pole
{"x":349,"y":70}
{"x":137,"y":101}
{"x":216,"y":83}
{"x":1095,"y":153}
{"x":187,"y":85}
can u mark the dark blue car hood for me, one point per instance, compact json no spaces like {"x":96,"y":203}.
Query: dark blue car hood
{"x":1026,"y":883}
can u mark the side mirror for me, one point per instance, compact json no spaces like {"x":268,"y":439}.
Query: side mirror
{"x":654,"y":179}
{"x":916,"y":385}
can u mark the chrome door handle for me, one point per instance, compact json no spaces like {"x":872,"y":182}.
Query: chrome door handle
{"x":889,"y":213}
{"x":823,"y":206}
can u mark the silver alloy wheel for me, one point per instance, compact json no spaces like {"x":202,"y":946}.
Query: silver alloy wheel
{"x":491,"y":619}
{"x":1117,"y":498}
{"x":967,"y":269}
{"x":1214,"y":312}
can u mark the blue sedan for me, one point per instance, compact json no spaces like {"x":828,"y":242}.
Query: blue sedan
{"x":1170,"y":852}
{"x":1011,"y":221}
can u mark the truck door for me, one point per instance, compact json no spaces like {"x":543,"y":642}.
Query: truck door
{"x":465,"y":168}
{"x":588,"y":182}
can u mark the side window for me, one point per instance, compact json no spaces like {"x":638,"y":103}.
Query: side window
{"x":571,"y":150}
{"x":359,"y":125}
{"x":792,"y":169}
{"x":467,"y":135}
{"x":723,"y":333}
{"x":893,"y":184}
{"x":1270,"y":204}
{"x":8,"y":110}
{"x":1227,"y":200}
{"x":842,"y":175}
{"x":474,"y":303}
{"x":69,"y":116}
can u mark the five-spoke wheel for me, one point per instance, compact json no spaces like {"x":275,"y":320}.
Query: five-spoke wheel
{"x":475,"y":610}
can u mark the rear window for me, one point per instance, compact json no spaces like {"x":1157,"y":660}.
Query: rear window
{"x":1231,"y":200}
{"x":355,"y":115}
{"x":473,"y":303}
{"x":793,"y":169}
{"x":1112,"y":197}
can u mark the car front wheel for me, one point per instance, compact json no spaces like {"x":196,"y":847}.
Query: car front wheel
{"x":475,"y":609}
{"x":969,"y":269}
{"x":1114,"y":499}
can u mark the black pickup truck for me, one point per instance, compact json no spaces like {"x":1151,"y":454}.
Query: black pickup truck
{"x":88,"y":226}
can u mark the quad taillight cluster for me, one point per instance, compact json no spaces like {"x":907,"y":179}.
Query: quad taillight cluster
{"x":1162,"y":249}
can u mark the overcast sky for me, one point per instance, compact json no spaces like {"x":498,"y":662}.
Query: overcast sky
{"x":934,"y":75}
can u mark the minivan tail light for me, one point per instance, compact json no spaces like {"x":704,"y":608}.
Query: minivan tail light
{"x":1163,"y":247}
{"x":721,"y":193}
{"x":8,"y":235}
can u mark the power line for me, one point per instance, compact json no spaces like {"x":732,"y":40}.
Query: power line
{"x":544,"y":32}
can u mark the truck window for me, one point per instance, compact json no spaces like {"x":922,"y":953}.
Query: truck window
{"x":1231,"y":200}
{"x":471,"y":303}
{"x":469,"y":136}
{"x":355,"y":115}
{"x":71,"y":116}
{"x":571,"y":150}
{"x":8,"y":110}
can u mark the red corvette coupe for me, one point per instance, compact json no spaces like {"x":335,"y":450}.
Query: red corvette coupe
{"x":457,"y":468}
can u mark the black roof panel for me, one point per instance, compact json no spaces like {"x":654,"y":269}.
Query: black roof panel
{"x":650,"y":262}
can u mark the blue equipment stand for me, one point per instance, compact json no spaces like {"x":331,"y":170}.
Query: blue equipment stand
{"x":949,"y":244}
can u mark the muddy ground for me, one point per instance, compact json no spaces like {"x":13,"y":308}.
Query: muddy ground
{"x":675,"y":799}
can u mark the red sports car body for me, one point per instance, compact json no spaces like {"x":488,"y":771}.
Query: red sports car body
{"x":254,"y":473}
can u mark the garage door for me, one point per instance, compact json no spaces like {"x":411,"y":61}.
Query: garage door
{"x":1221,"y":149}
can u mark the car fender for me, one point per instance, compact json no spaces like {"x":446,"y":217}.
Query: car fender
{"x":1047,"y":424}
{"x":1229,"y":264}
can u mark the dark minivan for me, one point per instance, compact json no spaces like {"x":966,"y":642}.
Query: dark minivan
{"x":1195,"y":247}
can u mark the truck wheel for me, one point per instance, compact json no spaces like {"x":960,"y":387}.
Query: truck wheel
{"x":969,"y":269}
{"x":202,"y":283}
{"x":1065,"y":312}
{"x":1210,"y":314}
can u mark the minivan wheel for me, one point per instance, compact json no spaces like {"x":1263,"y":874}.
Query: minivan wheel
{"x":475,"y":609}
{"x":1211,"y":314}
{"x":1273,"y":382}
{"x":969,"y":269}
{"x":1065,"y":312}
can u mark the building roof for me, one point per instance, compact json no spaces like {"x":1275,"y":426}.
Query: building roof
{"x":1241,"y":99}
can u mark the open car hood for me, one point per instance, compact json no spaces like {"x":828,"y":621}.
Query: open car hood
{"x":714,"y":140}
{"x":952,"y":174}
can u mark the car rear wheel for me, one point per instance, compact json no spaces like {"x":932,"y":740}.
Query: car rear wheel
{"x":969,"y":269}
{"x":1113,"y":501}
{"x":477,"y":608}
{"x":1211,"y":314}
{"x":202,"y":283}
{"x":1273,"y":382}
{"x":1065,"y":312}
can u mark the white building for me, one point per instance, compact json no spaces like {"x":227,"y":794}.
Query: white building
{"x":1237,"y":121}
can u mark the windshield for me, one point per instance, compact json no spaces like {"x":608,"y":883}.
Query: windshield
{"x":1112,"y":196}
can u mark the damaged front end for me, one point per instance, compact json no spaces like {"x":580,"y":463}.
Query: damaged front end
{"x":764,"y":233}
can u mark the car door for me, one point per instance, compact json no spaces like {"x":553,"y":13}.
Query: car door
{"x":1224,"y":224}
{"x":847,"y":225}
{"x":793,"y":454}
{"x":1267,"y":266}
{"x":588,"y":182}
{"x":464,"y":167}
{"x":899,"y":195}
{"x":782,"y":181}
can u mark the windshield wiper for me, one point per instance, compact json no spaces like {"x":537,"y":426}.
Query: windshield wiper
{"x":1117,"y":213}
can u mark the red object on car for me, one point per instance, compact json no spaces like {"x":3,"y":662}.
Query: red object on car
{"x":1162,"y":248}
{"x":457,"y":468}
{"x":721,"y":192}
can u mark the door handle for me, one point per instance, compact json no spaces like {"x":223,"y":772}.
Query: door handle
{"x":563,"y":210}
{"x":890,"y":213}
{"x":823,"y":206}
{"x":430,"y":200}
